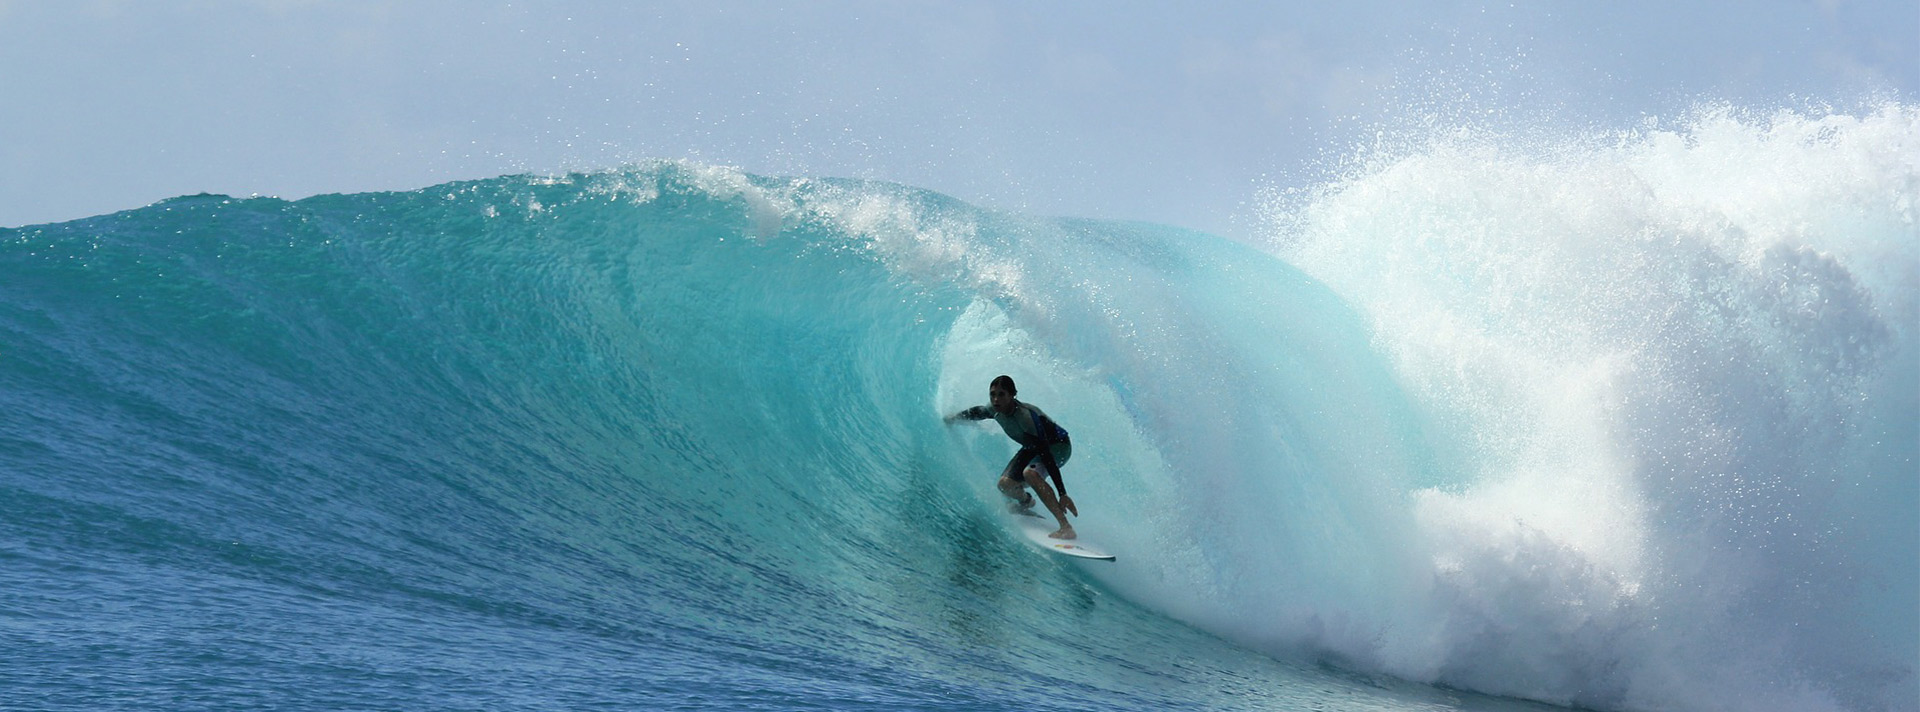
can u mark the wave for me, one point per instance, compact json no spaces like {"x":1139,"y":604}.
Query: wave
{"x":1558,"y":421}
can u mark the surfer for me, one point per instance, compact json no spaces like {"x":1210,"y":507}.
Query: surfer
{"x":1044,"y":447}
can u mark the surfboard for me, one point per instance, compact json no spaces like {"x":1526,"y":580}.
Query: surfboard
{"x":1036,"y":528}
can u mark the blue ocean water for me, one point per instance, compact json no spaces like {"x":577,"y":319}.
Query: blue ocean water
{"x":1622,"y":422}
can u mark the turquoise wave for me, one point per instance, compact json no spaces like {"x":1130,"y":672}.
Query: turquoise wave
{"x":670,"y":437}
{"x":666,"y":436}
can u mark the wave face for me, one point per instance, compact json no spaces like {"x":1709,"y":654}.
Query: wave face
{"x":1561,"y":425}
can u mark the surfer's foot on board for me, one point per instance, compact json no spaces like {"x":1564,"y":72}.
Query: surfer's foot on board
{"x":1064,"y":533}
{"x":1021,"y":506}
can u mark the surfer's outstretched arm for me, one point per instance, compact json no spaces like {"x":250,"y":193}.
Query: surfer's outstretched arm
{"x":978,"y":412}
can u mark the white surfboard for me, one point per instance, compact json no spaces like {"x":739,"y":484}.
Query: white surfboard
{"x":1036,"y":528}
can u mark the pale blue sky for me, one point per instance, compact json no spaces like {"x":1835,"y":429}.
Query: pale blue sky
{"x":1157,"y":111}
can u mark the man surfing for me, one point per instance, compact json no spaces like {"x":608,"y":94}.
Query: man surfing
{"x":1044,"y":447}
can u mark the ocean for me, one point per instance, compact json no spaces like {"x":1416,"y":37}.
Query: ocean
{"x":1613,"y":420}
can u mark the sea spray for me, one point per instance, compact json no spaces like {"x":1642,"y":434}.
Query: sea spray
{"x":1679,"y":363}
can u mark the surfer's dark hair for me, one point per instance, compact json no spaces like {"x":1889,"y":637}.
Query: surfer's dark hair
{"x":1004,"y":383}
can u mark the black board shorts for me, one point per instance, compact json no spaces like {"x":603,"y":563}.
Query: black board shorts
{"x":1053,"y":457}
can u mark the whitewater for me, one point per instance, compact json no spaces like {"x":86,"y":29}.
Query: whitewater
{"x":1613,"y":420}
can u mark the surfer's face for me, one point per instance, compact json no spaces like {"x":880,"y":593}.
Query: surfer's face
{"x":1002,"y":401}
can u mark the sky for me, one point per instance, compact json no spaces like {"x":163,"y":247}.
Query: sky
{"x":1177,"y":113}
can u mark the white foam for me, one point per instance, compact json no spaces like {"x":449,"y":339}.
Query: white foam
{"x":1656,"y":345}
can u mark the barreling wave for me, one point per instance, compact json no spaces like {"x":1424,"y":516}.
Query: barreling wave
{"x":1549,"y":424}
{"x":660,"y":436}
